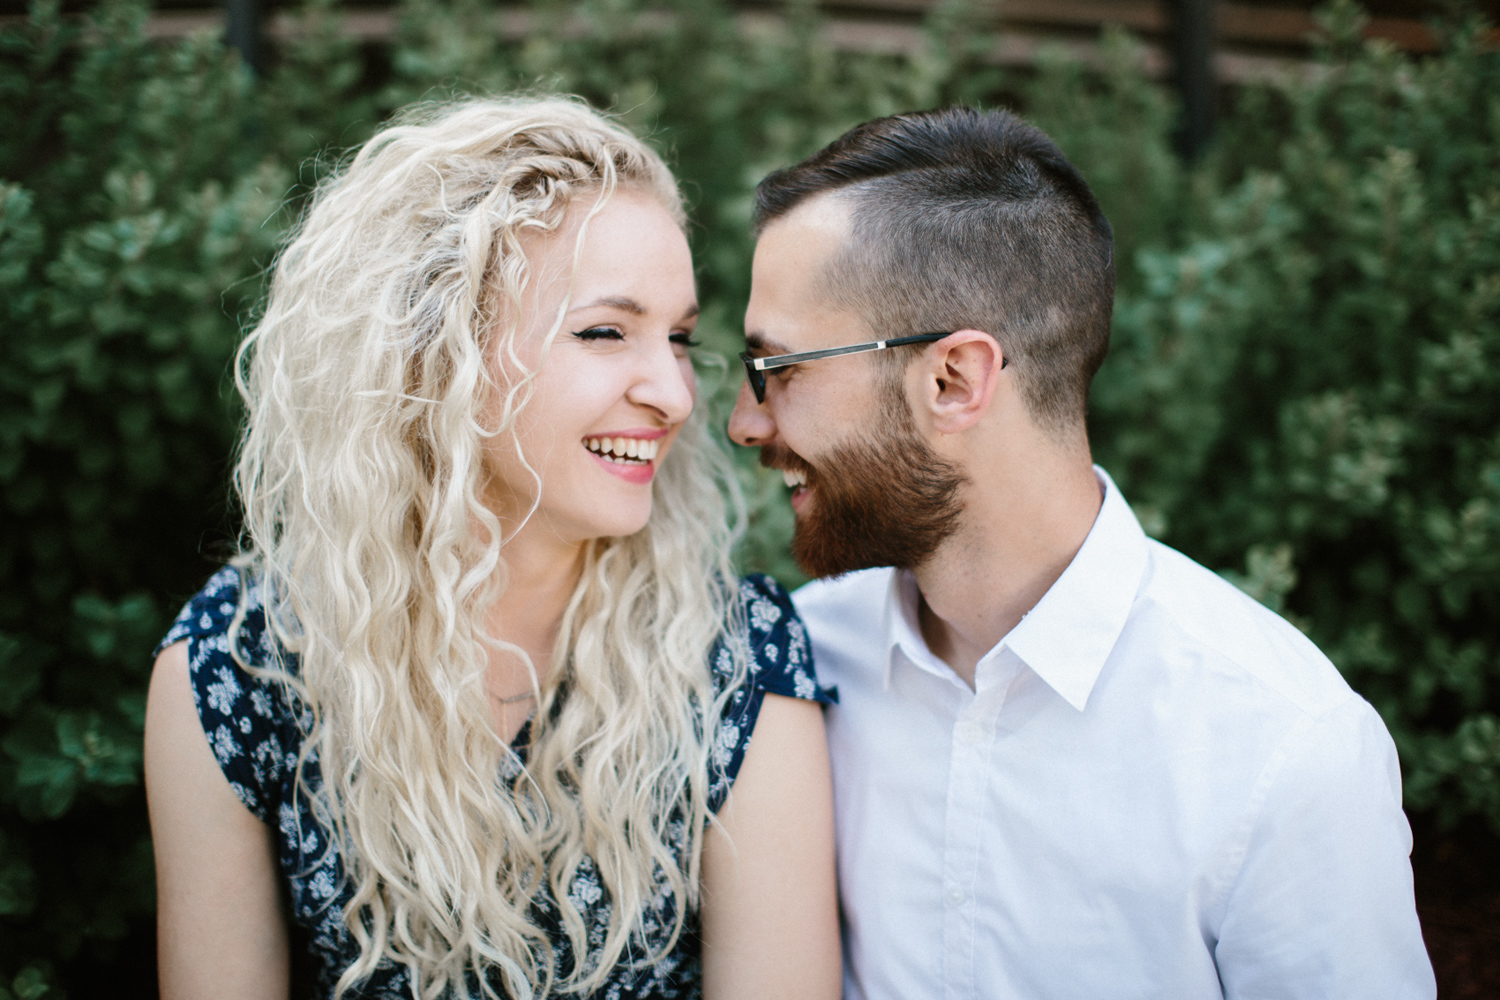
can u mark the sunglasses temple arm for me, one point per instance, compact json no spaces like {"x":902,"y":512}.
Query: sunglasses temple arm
{"x":787,"y":360}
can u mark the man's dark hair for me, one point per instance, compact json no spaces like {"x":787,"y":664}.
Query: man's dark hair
{"x":968,"y":219}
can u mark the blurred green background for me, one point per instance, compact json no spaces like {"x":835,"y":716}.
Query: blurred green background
{"x":1303,"y":391}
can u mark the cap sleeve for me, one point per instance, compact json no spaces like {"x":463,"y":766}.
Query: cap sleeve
{"x":781,"y":658}
{"x":780,"y":663}
{"x":247,"y":719}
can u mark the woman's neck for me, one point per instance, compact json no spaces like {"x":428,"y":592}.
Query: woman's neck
{"x":542,"y":571}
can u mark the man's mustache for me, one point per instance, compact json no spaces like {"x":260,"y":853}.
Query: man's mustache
{"x":782,"y":458}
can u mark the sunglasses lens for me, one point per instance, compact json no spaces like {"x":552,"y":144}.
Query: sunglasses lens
{"x":757,"y":379}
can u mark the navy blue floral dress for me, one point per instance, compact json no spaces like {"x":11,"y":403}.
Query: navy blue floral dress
{"x":256,"y":734}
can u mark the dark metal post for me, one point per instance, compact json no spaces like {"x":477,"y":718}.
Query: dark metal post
{"x":1193,"y":42}
{"x":242,"y":30}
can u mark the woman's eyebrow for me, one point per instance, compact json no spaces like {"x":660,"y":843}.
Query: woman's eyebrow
{"x":627,"y":304}
{"x":622,"y":302}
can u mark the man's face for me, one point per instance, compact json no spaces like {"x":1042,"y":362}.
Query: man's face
{"x":867,"y":489}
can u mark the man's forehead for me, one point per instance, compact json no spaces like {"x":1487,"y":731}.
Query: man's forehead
{"x":793,"y":324}
{"x":790,"y":309}
{"x":817,"y":227}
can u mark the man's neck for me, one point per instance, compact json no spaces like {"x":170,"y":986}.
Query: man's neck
{"x":1018,"y":535}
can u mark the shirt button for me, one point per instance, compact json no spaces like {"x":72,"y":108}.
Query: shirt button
{"x":955,"y":894}
{"x":968,"y":734}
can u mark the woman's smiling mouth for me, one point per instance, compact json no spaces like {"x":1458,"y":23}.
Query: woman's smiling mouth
{"x":631,"y":455}
{"x":625,"y":450}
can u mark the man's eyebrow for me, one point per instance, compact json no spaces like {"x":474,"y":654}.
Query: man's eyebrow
{"x":757,"y":341}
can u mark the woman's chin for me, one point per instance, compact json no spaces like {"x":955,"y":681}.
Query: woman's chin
{"x":597,"y":529}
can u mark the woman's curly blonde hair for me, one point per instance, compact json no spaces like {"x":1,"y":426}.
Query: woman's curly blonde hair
{"x":371,"y":393}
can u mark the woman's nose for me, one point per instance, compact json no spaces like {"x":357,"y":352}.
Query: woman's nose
{"x":666,"y":384}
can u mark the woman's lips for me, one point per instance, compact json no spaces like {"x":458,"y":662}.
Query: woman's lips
{"x":631,"y":472}
{"x":630,"y":454}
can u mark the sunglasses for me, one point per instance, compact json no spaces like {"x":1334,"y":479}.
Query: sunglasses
{"x":756,"y":368}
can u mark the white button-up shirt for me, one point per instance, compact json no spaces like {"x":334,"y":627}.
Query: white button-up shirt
{"x":1156,"y":788}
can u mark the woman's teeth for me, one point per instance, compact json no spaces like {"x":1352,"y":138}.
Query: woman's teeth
{"x":632,"y":451}
{"x":794,"y":479}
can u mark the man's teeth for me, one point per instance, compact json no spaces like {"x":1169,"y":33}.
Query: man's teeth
{"x":623,"y":449}
{"x":794,"y":479}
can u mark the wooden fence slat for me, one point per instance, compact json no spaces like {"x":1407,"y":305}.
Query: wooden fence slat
{"x":1023,"y":31}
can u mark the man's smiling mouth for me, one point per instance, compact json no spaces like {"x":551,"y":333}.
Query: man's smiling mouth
{"x":795,"y":470}
{"x":623,"y":450}
{"x":796,"y":481}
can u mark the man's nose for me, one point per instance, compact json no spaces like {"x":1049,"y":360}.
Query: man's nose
{"x":750,"y":424}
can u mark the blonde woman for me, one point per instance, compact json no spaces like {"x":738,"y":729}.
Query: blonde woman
{"x":474,"y":706}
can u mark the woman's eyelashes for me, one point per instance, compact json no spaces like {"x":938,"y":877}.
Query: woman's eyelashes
{"x":599,"y":333}
{"x":679,"y":339}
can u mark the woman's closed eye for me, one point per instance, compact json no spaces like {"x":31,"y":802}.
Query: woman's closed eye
{"x":683,"y":338}
{"x":599,"y":333}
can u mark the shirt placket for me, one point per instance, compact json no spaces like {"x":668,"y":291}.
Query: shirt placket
{"x":970,"y":743}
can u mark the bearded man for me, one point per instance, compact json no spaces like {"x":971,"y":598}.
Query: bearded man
{"x":1069,"y":762}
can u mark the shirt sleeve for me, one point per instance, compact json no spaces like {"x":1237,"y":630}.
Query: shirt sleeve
{"x":1322,"y":905}
{"x":780,"y":663}
{"x":245,"y":717}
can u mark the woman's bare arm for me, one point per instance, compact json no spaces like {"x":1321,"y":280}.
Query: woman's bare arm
{"x":770,"y":906}
{"x":220,"y":930}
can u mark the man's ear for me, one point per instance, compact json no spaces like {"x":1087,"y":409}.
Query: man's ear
{"x":959,"y":377}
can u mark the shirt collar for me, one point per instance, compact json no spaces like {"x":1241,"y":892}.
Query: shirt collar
{"x":903,"y":629}
{"x":1066,"y":638}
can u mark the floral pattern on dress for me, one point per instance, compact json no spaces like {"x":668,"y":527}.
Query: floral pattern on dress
{"x":255,"y":727}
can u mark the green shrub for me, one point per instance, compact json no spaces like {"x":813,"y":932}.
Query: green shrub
{"x":1301,"y":392}
{"x":129,"y":224}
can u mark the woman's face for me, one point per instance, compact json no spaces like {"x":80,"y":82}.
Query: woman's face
{"x":617,"y":384}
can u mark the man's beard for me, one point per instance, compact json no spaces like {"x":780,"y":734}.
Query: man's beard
{"x":889,"y":501}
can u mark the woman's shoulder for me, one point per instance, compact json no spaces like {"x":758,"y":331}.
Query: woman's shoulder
{"x":249,"y":718}
{"x":210,"y":613}
{"x":781,"y":659}
{"x":780,"y":662}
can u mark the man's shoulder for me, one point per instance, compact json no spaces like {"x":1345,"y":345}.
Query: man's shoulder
{"x":861,"y":592}
{"x":844,"y":613}
{"x":1213,"y":618}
